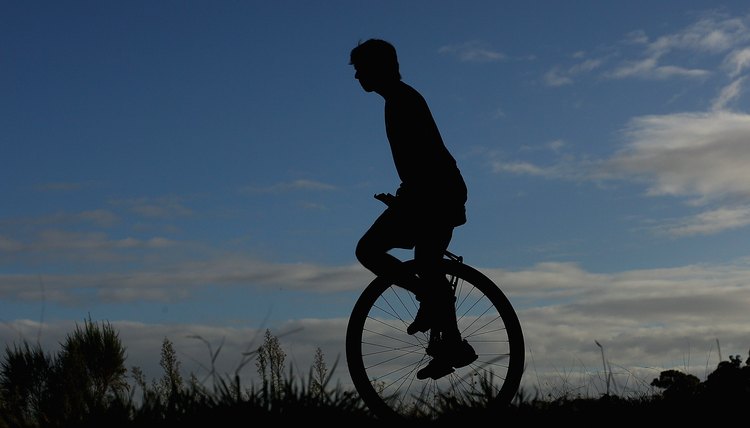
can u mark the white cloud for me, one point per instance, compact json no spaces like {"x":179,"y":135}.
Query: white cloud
{"x":98,"y":217}
{"x":660,"y":58}
{"x":82,"y":249}
{"x":163,"y":207}
{"x":585,"y":66}
{"x":708,"y":222}
{"x":73,"y":241}
{"x":525,"y":168}
{"x":712,"y":34}
{"x":638,"y":37}
{"x":556,"y":145}
{"x":702,"y":157}
{"x":103,"y":218}
{"x":559,"y":76}
{"x":728,"y":94}
{"x":179,"y":281}
{"x":566,"y":168}
{"x":648,"y":68}
{"x":737,"y":61}
{"x":645,"y":320}
{"x":699,"y":155}
{"x":474,"y":51}
{"x":294,"y":185}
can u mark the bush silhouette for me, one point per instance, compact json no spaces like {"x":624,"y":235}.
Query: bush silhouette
{"x":85,"y":380}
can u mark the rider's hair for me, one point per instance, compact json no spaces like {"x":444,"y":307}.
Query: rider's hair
{"x":378,"y":55}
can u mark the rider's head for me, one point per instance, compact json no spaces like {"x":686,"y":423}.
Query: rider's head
{"x":375,"y":62}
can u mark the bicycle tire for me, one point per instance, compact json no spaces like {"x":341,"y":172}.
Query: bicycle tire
{"x":383,"y":359}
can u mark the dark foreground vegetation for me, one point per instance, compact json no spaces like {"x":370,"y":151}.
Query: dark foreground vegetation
{"x":86,"y":384}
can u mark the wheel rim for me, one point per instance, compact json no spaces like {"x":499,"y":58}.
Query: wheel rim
{"x":383,"y":359}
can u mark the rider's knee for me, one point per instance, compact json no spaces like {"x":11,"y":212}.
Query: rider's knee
{"x":362,"y":252}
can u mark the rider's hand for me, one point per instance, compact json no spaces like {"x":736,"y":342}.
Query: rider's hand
{"x":385,"y":198}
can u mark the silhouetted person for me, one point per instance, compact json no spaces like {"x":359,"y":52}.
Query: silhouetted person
{"x":428,"y":204}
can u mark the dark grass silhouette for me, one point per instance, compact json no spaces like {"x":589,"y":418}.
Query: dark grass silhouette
{"x":33,"y":385}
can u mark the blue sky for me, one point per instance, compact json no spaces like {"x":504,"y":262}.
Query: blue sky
{"x":185,"y":169}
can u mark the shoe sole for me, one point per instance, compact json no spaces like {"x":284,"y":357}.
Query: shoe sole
{"x":444,"y":371}
{"x":435,"y":376}
{"x":466,"y":362}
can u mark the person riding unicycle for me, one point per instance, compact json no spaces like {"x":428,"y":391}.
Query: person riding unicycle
{"x":428,"y":204}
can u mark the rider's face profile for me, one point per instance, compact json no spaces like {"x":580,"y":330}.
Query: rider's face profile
{"x":366,"y":77}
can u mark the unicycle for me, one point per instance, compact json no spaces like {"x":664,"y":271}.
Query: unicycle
{"x":383,"y":359}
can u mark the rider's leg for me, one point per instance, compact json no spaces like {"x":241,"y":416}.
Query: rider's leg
{"x":386,"y":233}
{"x":449,"y":351}
{"x":428,"y":255}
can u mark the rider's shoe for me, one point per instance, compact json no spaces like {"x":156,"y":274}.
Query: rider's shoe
{"x":447,"y":357}
{"x":423,"y":320}
{"x":435,"y":369}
